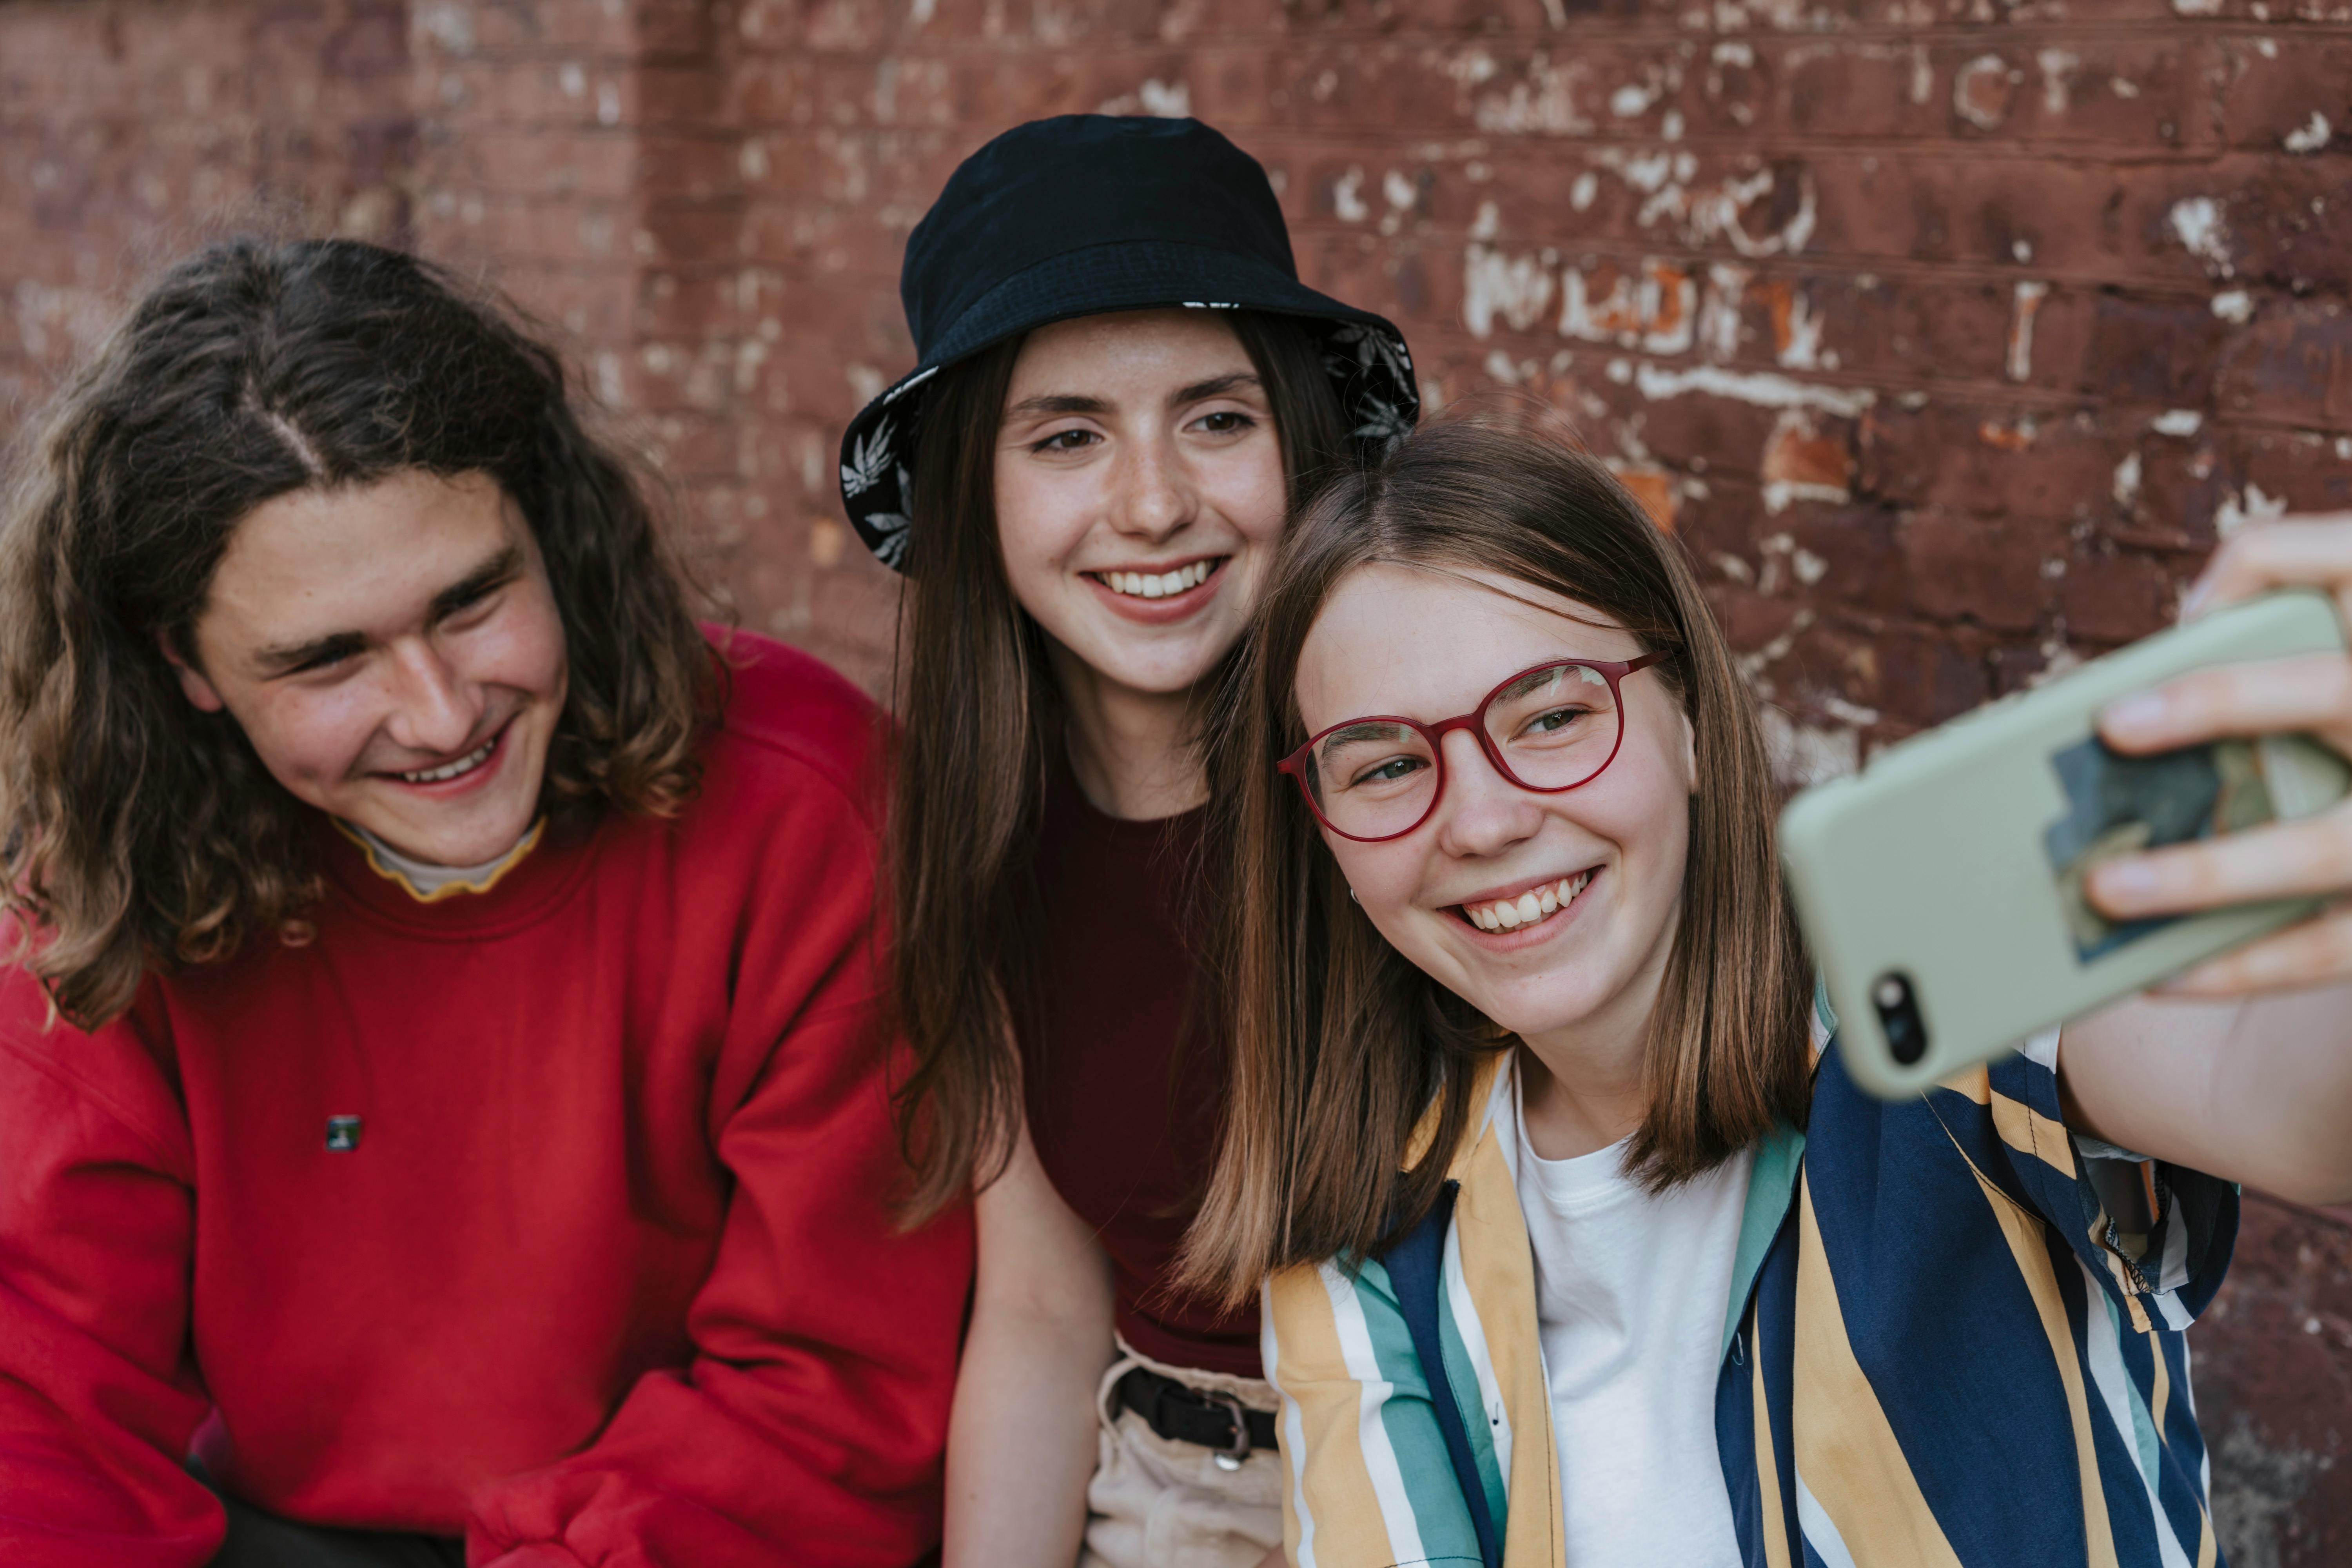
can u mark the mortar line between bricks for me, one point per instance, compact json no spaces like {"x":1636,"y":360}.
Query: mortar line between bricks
{"x":1542,"y":149}
{"x":1901,"y":268}
{"x":1986,"y":39}
{"x":1896,"y":150}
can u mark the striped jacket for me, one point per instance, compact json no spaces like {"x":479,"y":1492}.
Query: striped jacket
{"x":1942,"y":1347}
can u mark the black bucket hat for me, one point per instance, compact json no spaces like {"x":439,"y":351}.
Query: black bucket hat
{"x":1086,"y":213}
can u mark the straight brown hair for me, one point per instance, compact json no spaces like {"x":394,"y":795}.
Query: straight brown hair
{"x":139,"y":834}
{"x":978,"y":709}
{"x":1343,"y":1046}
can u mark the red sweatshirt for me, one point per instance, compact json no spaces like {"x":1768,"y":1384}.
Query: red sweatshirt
{"x":609,"y":1276}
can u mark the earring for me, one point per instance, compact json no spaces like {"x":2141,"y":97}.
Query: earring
{"x":1353,"y":894}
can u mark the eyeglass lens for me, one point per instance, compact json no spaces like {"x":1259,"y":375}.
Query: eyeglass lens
{"x":1553,"y":729}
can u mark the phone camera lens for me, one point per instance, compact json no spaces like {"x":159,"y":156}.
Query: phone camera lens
{"x":1899,"y":1014}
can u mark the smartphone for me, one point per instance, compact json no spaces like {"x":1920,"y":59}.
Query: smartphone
{"x":1941,"y":886}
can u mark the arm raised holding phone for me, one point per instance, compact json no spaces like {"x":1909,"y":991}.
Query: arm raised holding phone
{"x":2242,"y":1066}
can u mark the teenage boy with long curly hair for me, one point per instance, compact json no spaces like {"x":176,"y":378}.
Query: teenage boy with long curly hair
{"x":438,"y":1091}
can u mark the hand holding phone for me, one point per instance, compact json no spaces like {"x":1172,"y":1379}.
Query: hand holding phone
{"x":1946,"y":889}
{"x":2311,"y":694}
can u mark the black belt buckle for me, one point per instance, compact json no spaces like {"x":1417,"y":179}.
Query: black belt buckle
{"x":1230,"y":1459}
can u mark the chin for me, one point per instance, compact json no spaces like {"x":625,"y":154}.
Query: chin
{"x":1542,"y":1015}
{"x":469,"y":835}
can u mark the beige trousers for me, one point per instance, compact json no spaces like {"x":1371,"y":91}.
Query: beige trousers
{"x":1155,"y":1502}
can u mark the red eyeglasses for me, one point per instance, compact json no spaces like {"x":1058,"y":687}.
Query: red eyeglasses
{"x":1547,"y":729}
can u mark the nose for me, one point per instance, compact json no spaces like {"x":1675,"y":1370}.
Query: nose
{"x":1483,"y":813}
{"x":435,"y":708}
{"x":1155,"y":497}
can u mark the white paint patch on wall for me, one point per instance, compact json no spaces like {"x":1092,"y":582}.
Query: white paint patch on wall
{"x":2126,"y":486}
{"x":1161,"y":99}
{"x":1544,"y":102}
{"x":1348,"y":197}
{"x":1804,"y":346}
{"x":1805,"y":754}
{"x":1719,"y":323}
{"x":1720,"y":212}
{"x":2311,"y":138}
{"x":2058,"y":68}
{"x":1515,"y":288}
{"x":2197,"y":224}
{"x":2236,"y":511}
{"x":2028,"y":304}
{"x":2234,"y":306}
{"x":1760,"y":389}
{"x":1966,"y":86}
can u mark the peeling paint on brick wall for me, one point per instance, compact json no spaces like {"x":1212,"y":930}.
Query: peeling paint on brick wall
{"x":1948,"y":336}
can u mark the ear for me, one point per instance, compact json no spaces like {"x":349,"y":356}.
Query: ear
{"x":1690,"y":751}
{"x":198,"y":689}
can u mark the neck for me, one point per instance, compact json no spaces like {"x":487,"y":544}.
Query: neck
{"x":1585,"y":1085}
{"x":1129,"y":749}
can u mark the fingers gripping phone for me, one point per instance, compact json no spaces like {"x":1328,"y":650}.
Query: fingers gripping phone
{"x":1941,"y":887}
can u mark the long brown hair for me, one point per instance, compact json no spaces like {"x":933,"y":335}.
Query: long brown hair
{"x":1343,"y":1046}
{"x":980,"y":708}
{"x":138,"y":832}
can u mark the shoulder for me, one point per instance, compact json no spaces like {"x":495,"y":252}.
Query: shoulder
{"x":51,"y":1071}
{"x":791,"y":725}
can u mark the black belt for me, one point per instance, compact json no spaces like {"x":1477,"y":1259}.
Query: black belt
{"x":1189,"y":1414}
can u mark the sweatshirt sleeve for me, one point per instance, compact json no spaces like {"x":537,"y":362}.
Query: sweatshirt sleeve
{"x":99,"y":1390}
{"x":809,"y":1424}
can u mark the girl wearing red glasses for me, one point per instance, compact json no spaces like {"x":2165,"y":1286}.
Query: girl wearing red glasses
{"x":1583,"y":1248}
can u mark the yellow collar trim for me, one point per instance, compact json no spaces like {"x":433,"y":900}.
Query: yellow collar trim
{"x":481,"y":883}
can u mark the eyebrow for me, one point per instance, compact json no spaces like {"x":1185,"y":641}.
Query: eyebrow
{"x":497,"y":571}
{"x":1364,"y":730}
{"x":1216,"y":387}
{"x":287,"y":658}
{"x":1052,"y":404}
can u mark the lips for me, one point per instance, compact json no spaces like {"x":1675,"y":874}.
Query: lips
{"x":463,"y":765}
{"x":1144,"y":596}
{"x":1164,"y":585}
{"x":458,"y":771}
{"x":1528,"y":907}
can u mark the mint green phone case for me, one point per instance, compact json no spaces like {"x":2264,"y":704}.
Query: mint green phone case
{"x":1935,"y":862}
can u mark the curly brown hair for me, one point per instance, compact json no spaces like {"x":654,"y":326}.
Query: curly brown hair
{"x":139,"y":834}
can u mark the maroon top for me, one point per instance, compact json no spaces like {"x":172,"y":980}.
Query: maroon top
{"x":1124,"y":1118}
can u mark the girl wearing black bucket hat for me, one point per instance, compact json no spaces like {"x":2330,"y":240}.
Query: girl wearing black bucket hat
{"x":1124,"y":389}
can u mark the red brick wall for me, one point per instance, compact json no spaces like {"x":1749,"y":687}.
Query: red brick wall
{"x":128,"y":132}
{"x":1949,"y":333}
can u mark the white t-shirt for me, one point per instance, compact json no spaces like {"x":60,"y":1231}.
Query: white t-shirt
{"x":1631,"y":1290}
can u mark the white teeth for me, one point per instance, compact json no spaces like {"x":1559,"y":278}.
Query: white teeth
{"x":1509,"y":915}
{"x":1157,"y":586}
{"x":464,"y":765}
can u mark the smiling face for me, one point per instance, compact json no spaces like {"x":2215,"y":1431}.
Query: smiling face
{"x":395,"y":655}
{"x":1140,"y":491}
{"x":1550,"y":913}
